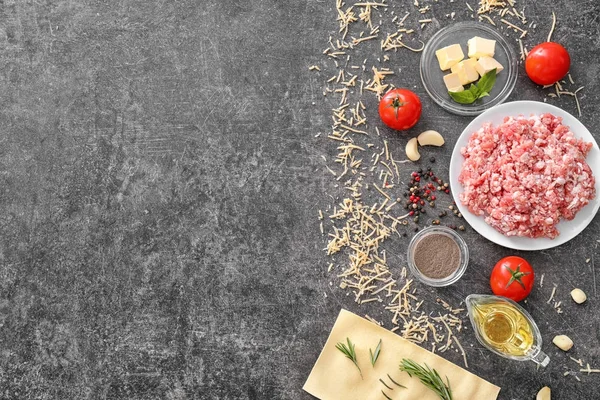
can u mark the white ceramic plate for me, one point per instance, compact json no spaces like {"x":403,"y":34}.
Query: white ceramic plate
{"x":568,"y":229}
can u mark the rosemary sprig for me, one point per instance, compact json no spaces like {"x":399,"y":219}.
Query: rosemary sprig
{"x":349,"y":352}
{"x":428,"y":377}
{"x":375,"y":355}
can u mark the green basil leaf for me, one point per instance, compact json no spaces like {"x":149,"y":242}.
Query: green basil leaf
{"x":464,"y":97}
{"x":486,"y":83}
{"x":475,"y":90}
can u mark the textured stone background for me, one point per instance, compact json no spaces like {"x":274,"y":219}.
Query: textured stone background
{"x":159,"y":186}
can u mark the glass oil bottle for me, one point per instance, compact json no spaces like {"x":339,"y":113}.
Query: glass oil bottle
{"x":505,"y":328}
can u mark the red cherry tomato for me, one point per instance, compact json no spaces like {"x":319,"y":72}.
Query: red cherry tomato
{"x":512,"y":277}
{"x":400,"y":109}
{"x":547,"y":63}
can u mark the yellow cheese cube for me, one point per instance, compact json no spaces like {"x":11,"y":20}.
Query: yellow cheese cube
{"x":452,"y":81}
{"x":449,"y":56}
{"x":456,"y":89}
{"x":486,"y":64}
{"x":466,"y":71}
{"x":469,"y":61}
{"x":479,"y":47}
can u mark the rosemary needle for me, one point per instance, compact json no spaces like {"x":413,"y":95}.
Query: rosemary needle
{"x":428,"y":377}
{"x":396,"y":383}
{"x":386,"y":396}
{"x":349,"y":352}
{"x":385,"y":384}
{"x":375,"y":355}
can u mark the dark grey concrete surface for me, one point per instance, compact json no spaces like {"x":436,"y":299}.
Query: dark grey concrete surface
{"x":159,"y":186}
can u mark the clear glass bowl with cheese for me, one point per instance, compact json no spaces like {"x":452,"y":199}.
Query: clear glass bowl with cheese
{"x":460,"y":54}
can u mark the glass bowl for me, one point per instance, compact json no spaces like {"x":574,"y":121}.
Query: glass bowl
{"x":453,"y":277}
{"x":460,"y":33}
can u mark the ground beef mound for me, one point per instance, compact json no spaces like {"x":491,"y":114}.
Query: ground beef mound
{"x":525,"y":174}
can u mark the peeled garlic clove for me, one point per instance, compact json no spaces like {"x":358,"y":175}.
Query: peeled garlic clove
{"x":563,"y":342}
{"x":430,"y":138}
{"x":543,"y":394}
{"x":412,"y":151}
{"x":578,"y":295}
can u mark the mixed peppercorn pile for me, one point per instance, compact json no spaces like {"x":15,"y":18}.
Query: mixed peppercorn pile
{"x":423,"y":190}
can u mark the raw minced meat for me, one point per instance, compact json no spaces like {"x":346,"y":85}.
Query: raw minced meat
{"x":525,"y":174}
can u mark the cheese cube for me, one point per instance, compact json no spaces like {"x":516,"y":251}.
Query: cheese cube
{"x":452,"y":82}
{"x":486,"y":64}
{"x":466,"y":71}
{"x":456,"y":89}
{"x":449,"y":55}
{"x":469,"y":61}
{"x":479,"y":47}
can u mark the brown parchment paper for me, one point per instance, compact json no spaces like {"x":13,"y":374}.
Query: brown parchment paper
{"x":335,"y":377}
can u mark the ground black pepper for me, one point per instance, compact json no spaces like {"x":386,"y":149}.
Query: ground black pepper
{"x":437,"y":256}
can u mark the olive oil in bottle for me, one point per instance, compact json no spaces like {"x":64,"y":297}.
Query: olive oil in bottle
{"x":505,"y":328}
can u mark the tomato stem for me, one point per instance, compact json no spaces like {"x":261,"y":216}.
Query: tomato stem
{"x":397,"y":104}
{"x":516,"y":276}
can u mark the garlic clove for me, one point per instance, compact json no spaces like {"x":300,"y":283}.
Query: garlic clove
{"x":430,"y":138}
{"x":578,"y":295}
{"x":412,"y":151}
{"x":563,"y":342}
{"x":543,"y":394}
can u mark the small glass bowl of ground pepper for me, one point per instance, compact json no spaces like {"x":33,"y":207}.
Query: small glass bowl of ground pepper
{"x":437,"y":256}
